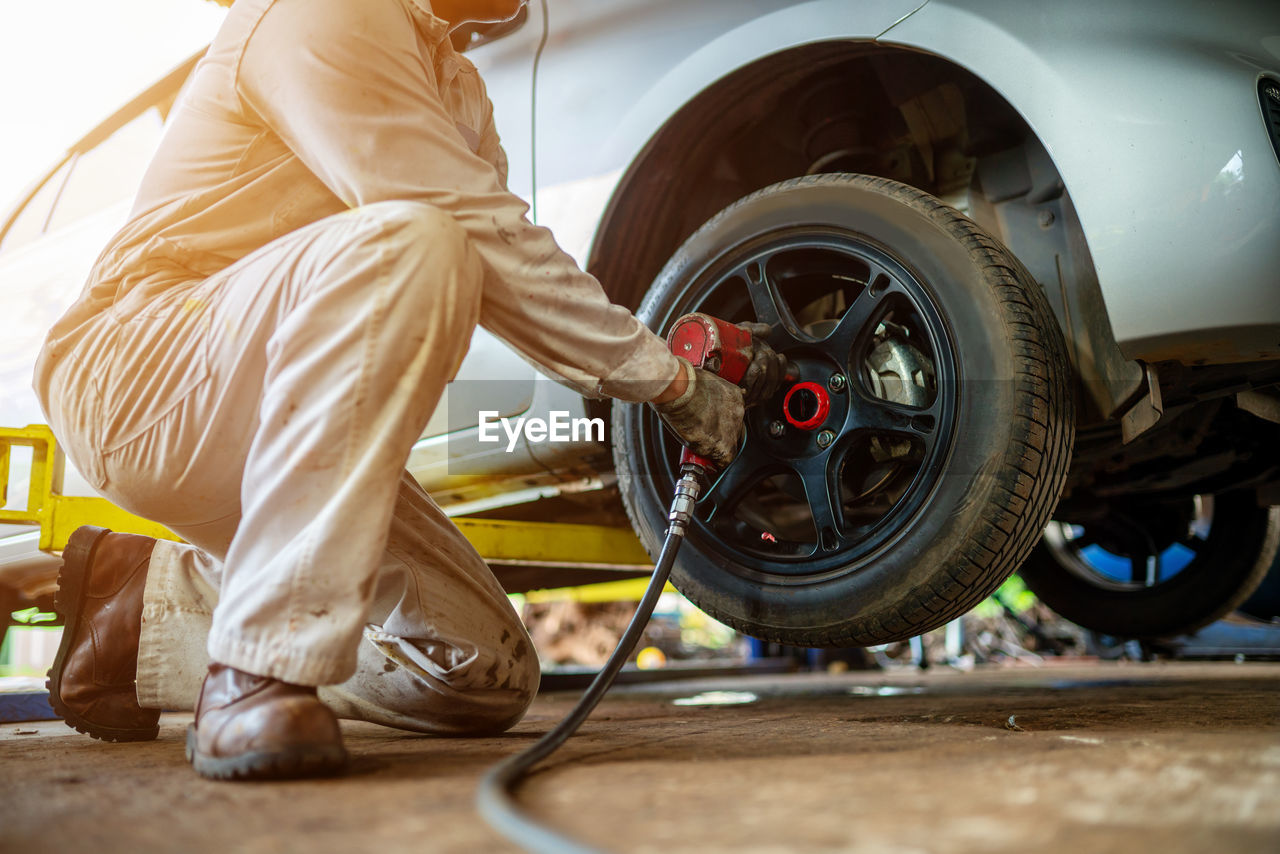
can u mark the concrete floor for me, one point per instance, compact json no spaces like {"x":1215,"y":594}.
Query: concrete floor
{"x":1166,"y":758}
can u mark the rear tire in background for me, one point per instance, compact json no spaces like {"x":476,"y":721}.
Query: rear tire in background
{"x":949,"y":428}
{"x":1101,"y":575}
{"x":1264,"y":602}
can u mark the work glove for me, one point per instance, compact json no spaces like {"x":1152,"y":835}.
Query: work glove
{"x":707,"y":418}
{"x":767,"y":367}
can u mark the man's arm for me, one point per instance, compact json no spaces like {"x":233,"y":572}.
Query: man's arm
{"x":345,"y":86}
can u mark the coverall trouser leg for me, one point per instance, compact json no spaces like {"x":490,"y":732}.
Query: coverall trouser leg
{"x":265,"y":415}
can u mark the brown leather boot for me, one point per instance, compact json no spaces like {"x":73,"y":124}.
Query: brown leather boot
{"x":93,"y":681}
{"x":255,"y":728}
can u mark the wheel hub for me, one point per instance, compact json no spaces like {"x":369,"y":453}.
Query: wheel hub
{"x":802,"y":419}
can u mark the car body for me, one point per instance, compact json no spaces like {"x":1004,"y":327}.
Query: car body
{"x":1125,"y":153}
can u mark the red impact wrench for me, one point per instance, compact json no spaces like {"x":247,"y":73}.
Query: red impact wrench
{"x":723,"y":349}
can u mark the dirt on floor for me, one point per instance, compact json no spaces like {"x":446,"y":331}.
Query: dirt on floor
{"x":1166,"y":758}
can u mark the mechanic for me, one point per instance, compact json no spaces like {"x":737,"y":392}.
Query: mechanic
{"x":324,"y":223}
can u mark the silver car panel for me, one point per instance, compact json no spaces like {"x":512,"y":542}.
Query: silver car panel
{"x":614,"y":71}
{"x":1149,"y":111}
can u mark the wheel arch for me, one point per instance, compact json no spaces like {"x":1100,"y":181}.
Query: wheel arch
{"x":855,"y":104}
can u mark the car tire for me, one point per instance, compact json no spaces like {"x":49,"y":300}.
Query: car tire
{"x":1230,"y":559}
{"x":1264,"y":602}
{"x":950,"y":416}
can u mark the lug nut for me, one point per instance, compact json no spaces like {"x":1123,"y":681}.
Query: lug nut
{"x":836,"y":383}
{"x":776,"y":429}
{"x":825,"y":438}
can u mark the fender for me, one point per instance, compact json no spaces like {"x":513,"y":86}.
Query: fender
{"x":801,"y":24}
{"x":582,"y":164}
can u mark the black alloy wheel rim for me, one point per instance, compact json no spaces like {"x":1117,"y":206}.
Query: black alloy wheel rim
{"x":834,"y":298}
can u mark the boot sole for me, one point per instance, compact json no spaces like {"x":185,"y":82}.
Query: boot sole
{"x":288,"y":764}
{"x":69,"y":600}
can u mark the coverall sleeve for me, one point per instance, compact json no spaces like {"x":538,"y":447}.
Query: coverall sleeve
{"x":349,"y":88}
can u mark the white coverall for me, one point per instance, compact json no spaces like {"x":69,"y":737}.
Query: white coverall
{"x":256,"y":352}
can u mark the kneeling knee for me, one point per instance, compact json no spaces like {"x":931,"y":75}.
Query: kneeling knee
{"x":503,"y":702}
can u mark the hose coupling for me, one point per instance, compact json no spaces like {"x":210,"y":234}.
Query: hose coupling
{"x":688,"y":488}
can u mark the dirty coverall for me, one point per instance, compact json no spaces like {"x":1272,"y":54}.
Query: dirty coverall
{"x":256,"y":352}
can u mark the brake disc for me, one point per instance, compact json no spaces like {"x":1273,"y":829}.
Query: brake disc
{"x":898,"y":372}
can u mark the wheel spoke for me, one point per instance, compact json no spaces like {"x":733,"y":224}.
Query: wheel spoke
{"x":867,"y":310}
{"x":885,"y":417}
{"x":1144,"y":568}
{"x":748,"y":468}
{"x":766,"y":299}
{"x":820,"y":478}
